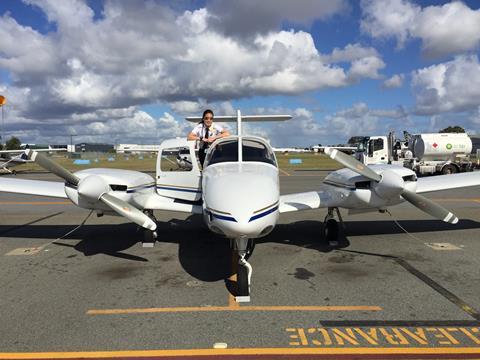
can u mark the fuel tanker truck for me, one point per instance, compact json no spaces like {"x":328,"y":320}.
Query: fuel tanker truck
{"x":426,"y":154}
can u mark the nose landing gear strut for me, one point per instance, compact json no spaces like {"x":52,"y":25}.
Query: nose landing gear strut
{"x":244,"y":246}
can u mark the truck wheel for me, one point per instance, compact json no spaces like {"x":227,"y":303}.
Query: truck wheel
{"x":449,"y":169}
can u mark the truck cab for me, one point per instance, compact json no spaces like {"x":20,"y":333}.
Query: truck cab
{"x":373,"y":150}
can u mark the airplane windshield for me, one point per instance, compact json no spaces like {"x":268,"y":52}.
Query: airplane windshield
{"x":257,"y":151}
{"x":253,"y":150}
{"x":226,"y":151}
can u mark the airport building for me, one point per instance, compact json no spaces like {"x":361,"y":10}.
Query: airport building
{"x":134,"y":148}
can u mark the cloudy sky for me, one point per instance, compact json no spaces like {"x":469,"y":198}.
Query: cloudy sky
{"x":130,"y":71}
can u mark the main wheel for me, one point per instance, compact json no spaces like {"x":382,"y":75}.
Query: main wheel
{"x":242,"y":281}
{"x":331,"y":230}
{"x":449,"y":169}
{"x":148,"y":238}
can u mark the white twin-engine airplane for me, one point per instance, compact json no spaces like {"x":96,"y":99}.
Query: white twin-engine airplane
{"x":12,"y":158}
{"x":238,"y":190}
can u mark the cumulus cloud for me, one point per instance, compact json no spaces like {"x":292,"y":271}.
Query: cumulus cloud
{"x":452,"y":28}
{"x":350,"y":53}
{"x":249,"y":18}
{"x":395,"y":81}
{"x":367,"y":67}
{"x":447,"y":87}
{"x":133,"y":55}
{"x":309,"y":128}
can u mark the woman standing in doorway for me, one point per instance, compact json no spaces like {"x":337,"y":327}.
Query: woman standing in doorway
{"x":207,"y":132}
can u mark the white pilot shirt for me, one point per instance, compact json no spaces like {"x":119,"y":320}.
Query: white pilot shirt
{"x":200,"y":130}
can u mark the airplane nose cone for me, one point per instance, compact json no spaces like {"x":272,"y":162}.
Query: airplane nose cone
{"x":242,"y":204}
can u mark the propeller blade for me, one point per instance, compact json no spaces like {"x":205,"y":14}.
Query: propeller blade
{"x":129,"y":211}
{"x":430,"y":207}
{"x":52,"y":166}
{"x":353,"y":164}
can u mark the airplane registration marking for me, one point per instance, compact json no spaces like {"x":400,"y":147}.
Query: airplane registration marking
{"x":381,"y":336}
{"x":246,"y":351}
{"x":228,"y":308}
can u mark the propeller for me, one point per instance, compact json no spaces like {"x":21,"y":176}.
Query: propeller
{"x":52,"y":166}
{"x":94,"y":188}
{"x":390,"y":184}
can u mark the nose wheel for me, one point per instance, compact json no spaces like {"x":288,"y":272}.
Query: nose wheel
{"x":245,"y":248}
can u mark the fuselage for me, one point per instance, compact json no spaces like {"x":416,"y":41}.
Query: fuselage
{"x":241,"y":197}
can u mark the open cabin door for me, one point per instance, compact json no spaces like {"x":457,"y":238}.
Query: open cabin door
{"x":178,"y":174}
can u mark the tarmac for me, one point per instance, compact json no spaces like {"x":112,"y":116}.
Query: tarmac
{"x":400,"y":285}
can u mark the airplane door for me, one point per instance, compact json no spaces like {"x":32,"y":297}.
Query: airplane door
{"x":178,"y":173}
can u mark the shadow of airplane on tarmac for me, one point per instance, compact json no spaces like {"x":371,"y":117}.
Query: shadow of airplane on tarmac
{"x":202,"y":254}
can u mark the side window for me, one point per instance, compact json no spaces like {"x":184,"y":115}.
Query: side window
{"x":176,"y":159}
{"x":370,"y":148}
{"x":377,"y":144}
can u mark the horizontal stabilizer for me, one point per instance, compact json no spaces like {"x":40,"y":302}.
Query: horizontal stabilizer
{"x":244,"y":118}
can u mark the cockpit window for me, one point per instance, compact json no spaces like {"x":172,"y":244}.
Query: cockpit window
{"x":223,"y":152}
{"x":227,"y":151}
{"x":257,"y":151}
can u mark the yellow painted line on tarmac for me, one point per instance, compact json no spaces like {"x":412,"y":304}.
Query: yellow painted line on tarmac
{"x":244,"y":352}
{"x":233,"y":308}
{"x":35,"y":202}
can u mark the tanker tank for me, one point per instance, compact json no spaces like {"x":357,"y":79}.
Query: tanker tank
{"x":441,"y":147}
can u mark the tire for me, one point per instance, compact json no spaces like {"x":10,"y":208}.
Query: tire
{"x":242,"y":281}
{"x":331,"y":230}
{"x":148,"y":236}
{"x":449,"y":169}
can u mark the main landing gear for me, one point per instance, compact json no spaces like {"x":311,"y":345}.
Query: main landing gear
{"x":149,"y":236}
{"x":245,"y":247}
{"x":331,"y":228}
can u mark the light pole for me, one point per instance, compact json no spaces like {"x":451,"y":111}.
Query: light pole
{"x":3,"y":102}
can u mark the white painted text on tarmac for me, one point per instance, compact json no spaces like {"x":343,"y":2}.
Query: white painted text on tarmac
{"x":384,"y":336}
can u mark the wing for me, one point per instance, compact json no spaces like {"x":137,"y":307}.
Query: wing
{"x":328,"y":197}
{"x":20,"y":151}
{"x":33,"y":187}
{"x":445,"y":182}
{"x":154,"y":201}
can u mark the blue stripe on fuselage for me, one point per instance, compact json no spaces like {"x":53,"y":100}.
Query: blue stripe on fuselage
{"x":221,"y":217}
{"x":265,"y":213}
{"x":178,"y":189}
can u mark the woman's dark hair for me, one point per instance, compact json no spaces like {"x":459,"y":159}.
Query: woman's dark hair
{"x":208,"y":111}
